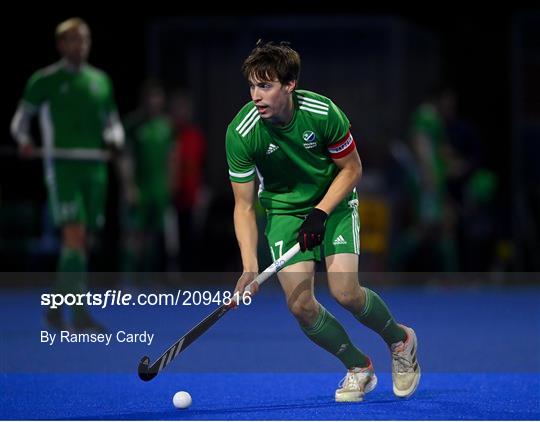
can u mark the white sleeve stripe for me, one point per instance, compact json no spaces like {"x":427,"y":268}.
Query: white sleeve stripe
{"x":313,"y":110}
{"x":313,"y":105}
{"x":248,"y":123}
{"x":302,"y":103}
{"x":246,"y":174}
{"x":311,"y":100}
{"x":247,"y":130}
{"x":248,"y":117}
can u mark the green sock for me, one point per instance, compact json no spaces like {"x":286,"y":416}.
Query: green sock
{"x":376,"y":316}
{"x":71,"y":277}
{"x":71,"y":272}
{"x":329,"y":334}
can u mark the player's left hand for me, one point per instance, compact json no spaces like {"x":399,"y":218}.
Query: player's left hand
{"x":245,"y":279}
{"x":311,"y":231}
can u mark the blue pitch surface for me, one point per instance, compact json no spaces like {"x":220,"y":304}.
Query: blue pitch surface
{"x":479,"y":351}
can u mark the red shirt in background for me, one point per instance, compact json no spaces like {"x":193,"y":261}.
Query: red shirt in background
{"x":188,"y":155}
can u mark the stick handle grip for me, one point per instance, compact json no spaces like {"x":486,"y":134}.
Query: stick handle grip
{"x":274,"y":267}
{"x":74,"y":154}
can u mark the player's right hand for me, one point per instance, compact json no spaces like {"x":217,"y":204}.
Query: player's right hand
{"x":311,"y":233}
{"x":27,"y":150}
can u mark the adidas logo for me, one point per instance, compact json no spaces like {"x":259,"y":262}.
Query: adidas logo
{"x":340,"y":240}
{"x":271,"y":149}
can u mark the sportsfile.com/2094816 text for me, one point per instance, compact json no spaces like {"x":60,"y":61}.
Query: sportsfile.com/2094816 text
{"x":119,"y":298}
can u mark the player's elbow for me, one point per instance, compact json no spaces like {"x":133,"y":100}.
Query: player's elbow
{"x":359,"y":171}
{"x":243,"y":209}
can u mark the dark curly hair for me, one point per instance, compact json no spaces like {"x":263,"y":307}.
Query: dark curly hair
{"x":269,"y":61}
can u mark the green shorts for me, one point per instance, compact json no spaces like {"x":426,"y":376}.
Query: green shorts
{"x":342,"y":234}
{"x":78,"y":193}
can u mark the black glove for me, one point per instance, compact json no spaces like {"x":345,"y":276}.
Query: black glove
{"x":311,"y":231}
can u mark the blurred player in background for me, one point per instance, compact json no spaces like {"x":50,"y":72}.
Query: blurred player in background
{"x":432,"y":230}
{"x":146,"y":174}
{"x":77,"y":113}
{"x":187,"y":177}
{"x":472,"y":188}
{"x":300,"y":146}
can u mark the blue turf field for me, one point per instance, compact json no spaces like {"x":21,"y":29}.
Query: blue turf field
{"x":479,"y":351}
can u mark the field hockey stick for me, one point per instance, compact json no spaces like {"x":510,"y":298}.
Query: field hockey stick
{"x":81,"y":154}
{"x":148,"y":372}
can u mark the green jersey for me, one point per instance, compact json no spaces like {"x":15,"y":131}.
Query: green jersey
{"x":427,"y":121}
{"x":150,"y":141}
{"x":74,"y":106}
{"x":294,"y":162}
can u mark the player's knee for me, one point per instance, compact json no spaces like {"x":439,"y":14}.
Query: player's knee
{"x":304,"y":311}
{"x":351,"y":299}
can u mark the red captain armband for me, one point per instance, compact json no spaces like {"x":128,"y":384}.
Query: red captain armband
{"x":342,"y":148}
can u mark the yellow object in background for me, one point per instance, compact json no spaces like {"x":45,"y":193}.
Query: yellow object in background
{"x":375,"y":225}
